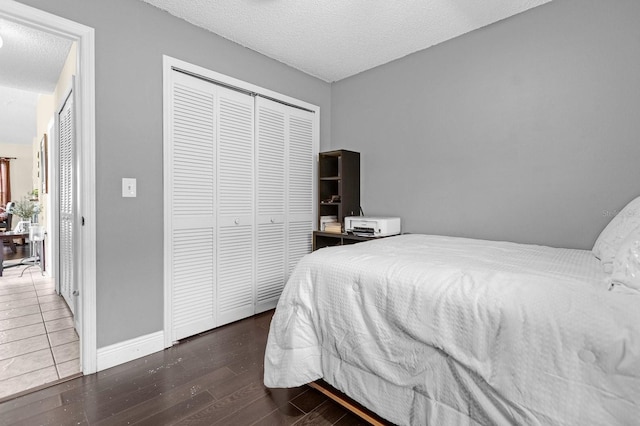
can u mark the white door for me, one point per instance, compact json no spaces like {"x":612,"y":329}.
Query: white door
{"x":271,"y":137}
{"x":210,"y":175}
{"x":66,"y":144}
{"x":235,"y":296}
{"x":192,"y":182}
{"x":300,"y":164}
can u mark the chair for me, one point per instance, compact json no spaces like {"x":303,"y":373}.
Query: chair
{"x":6,"y":215}
{"x":36,"y":239}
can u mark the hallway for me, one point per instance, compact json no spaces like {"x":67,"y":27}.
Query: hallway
{"x":38,"y":343}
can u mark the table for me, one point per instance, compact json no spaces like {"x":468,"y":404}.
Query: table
{"x":327,"y":239}
{"x":10,"y":236}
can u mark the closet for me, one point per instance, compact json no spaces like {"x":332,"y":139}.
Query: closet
{"x":239,"y":214}
{"x":65,"y":120}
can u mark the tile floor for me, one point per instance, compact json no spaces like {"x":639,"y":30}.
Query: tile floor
{"x":38,"y":343}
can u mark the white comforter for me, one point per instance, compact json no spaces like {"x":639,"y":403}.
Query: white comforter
{"x":440,"y":330}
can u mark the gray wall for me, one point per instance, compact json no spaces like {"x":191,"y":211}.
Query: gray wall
{"x":527,"y":130}
{"x":131,"y":38}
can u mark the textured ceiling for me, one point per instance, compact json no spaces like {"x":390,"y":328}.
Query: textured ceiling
{"x":335,"y":39}
{"x":30,"y":63}
{"x":31,"y":59}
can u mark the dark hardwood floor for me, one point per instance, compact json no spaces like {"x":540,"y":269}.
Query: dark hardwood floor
{"x":211,"y":379}
{"x":22,"y":250}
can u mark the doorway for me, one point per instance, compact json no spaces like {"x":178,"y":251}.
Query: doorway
{"x":83,"y":225}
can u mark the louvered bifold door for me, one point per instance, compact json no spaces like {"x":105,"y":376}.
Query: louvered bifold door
{"x":235,"y":282}
{"x":66,"y":238}
{"x":271,"y":165}
{"x":300,"y":162}
{"x":192,"y":176}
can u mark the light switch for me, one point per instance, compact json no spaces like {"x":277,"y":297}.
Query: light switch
{"x":128,"y":187}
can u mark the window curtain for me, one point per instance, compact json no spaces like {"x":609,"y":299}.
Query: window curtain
{"x":5,"y":181}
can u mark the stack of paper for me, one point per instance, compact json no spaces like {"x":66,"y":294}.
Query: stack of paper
{"x":327,"y":219}
{"x":334,"y":227}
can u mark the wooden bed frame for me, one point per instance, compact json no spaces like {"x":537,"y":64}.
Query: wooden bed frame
{"x":348,"y":403}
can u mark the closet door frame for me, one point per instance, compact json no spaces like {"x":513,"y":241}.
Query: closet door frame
{"x":169,"y":66}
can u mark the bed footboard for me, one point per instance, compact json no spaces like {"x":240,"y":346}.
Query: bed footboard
{"x":348,"y":403}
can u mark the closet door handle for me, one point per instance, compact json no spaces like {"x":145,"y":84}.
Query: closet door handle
{"x":237,"y":221}
{"x":273,"y":220}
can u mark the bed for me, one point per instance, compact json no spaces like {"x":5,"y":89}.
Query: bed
{"x":434,"y":330}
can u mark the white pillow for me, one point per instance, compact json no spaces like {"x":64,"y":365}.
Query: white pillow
{"x":608,"y":243}
{"x":626,"y":265}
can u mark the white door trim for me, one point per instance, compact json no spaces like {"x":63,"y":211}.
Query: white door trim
{"x":168,"y":64}
{"x":85,"y":70}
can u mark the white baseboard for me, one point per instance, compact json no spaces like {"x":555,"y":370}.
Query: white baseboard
{"x":126,"y":351}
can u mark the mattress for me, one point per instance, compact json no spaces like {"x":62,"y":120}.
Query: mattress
{"x":441,"y":330}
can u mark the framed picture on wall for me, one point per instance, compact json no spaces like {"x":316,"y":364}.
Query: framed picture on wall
{"x":44,"y":164}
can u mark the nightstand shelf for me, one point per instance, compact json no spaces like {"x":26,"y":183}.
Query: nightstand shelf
{"x":338,"y":194}
{"x":338,"y":184}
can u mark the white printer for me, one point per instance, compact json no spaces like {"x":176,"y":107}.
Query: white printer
{"x":372,"y":226}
